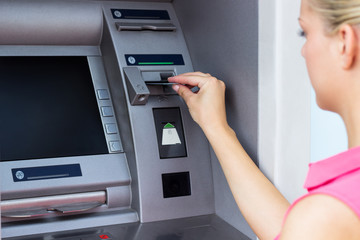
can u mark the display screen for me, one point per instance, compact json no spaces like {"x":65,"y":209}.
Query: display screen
{"x":48,"y":109}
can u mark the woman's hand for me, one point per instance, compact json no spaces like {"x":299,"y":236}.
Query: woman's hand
{"x":207,"y":106}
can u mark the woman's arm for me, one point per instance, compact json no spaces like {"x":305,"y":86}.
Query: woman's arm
{"x":260,"y":202}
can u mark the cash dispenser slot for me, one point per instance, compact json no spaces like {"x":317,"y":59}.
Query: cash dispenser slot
{"x":65,"y":204}
{"x":142,"y":84}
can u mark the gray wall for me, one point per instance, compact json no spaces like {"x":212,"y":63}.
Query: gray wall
{"x":222,"y":38}
{"x":284,"y":98}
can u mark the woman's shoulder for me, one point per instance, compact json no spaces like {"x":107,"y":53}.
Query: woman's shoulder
{"x":321,"y":216}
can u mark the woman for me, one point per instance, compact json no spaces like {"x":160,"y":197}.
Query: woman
{"x":331,"y":210}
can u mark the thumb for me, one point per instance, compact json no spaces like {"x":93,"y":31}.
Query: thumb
{"x":183,"y":91}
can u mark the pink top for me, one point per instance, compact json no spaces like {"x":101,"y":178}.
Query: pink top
{"x":337,"y":176}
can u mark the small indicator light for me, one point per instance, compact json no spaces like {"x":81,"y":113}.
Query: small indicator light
{"x":104,"y":236}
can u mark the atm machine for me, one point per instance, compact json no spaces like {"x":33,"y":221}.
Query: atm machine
{"x":94,"y":143}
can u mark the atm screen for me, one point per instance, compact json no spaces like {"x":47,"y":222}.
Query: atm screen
{"x":48,"y":109}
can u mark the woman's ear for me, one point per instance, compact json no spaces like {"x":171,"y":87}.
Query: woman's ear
{"x":348,"y":45}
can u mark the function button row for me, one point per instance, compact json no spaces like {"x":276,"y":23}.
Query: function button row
{"x":110,"y":128}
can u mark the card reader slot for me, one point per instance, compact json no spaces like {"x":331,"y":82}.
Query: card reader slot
{"x":142,"y":84}
{"x":157,"y":78}
{"x":38,"y":206}
{"x":125,"y":26}
{"x":157,"y":82}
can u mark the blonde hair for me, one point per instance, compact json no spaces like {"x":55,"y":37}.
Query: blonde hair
{"x":337,"y":12}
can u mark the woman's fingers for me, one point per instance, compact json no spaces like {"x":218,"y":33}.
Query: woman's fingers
{"x":183,"y":91}
{"x":195,"y":74}
{"x":192,"y":79}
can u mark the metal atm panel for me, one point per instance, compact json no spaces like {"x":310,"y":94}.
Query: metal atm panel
{"x":154,"y":181}
{"x":128,"y":46}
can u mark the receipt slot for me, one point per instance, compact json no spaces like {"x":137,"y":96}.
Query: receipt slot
{"x":169,"y":132}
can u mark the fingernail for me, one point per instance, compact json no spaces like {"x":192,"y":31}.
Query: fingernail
{"x":176,"y":87}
